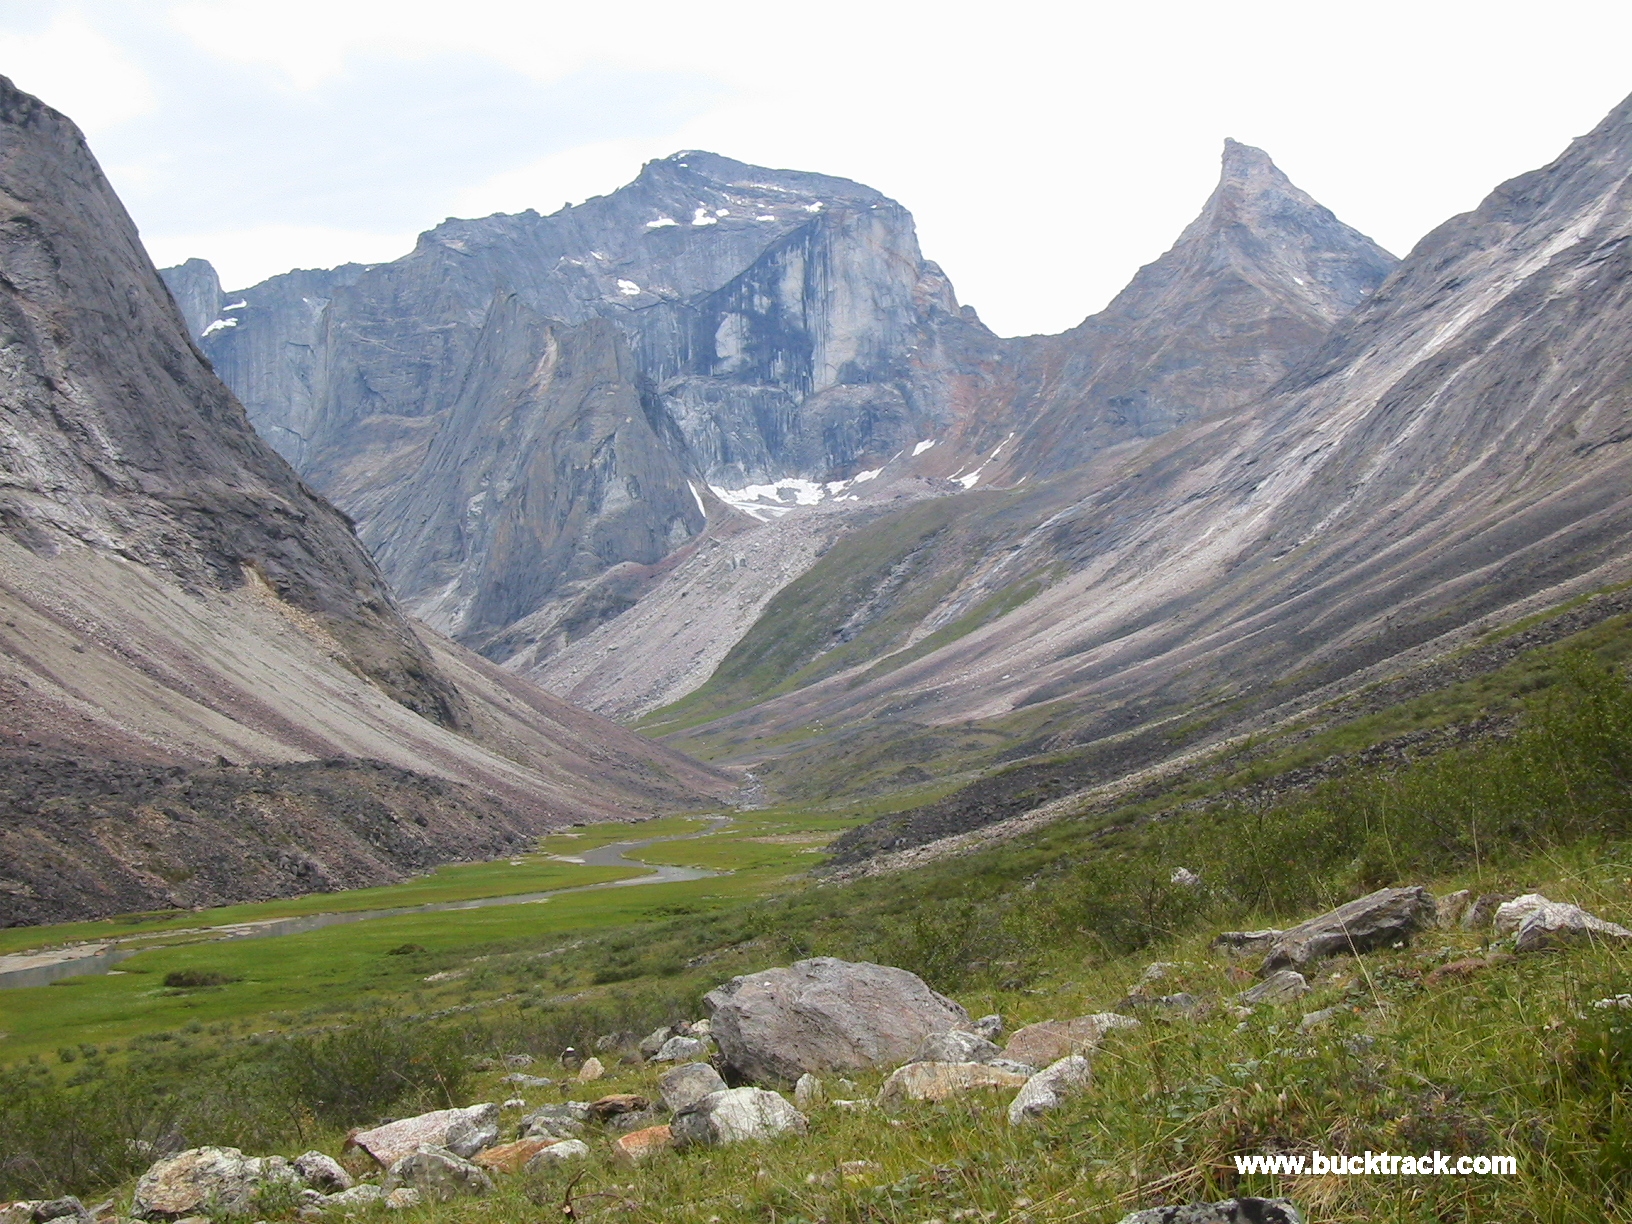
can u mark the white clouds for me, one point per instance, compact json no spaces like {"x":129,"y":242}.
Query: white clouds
{"x":85,"y":73}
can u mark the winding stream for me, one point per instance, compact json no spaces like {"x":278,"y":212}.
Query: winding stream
{"x":43,"y":968}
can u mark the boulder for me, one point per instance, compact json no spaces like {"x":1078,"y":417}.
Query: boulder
{"x":1008,"y":1064}
{"x":683,"y":1086}
{"x":640,"y":1146}
{"x":558,"y":1154}
{"x":401,"y":1199}
{"x":935,"y":1081}
{"x":956,"y":1046}
{"x":808,"y":1092}
{"x":1450,"y":909}
{"x":1509,"y":914}
{"x":1280,"y":987}
{"x":681,"y":1049}
{"x":512,"y":1157}
{"x":1386,"y":916}
{"x":1482,"y":911}
{"x":1048,"y":1088}
{"x":591,"y":1071}
{"x":1231,"y":1211}
{"x":736,"y":1115}
{"x":1313,"y":1020}
{"x":1047,"y":1042}
{"x":67,"y":1209}
{"x":654,"y":1041}
{"x":641,"y":1119}
{"x":321,"y":1172}
{"x":989,"y":1027}
{"x":1555,"y":923}
{"x":1245,"y":943}
{"x":437,"y":1175}
{"x":223,"y":1178}
{"x":825,"y":1015}
{"x":464,"y":1132}
{"x":19,"y":1212}
{"x":364,"y":1194}
{"x":563,"y":1121}
{"x":618,"y":1103}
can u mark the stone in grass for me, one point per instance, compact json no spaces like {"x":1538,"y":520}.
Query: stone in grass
{"x":1245,"y":943}
{"x":1047,"y":1042}
{"x":511,"y":1157}
{"x":654,"y":1041}
{"x":591,"y":1071}
{"x":683,"y":1086}
{"x":681,"y":1049}
{"x":1280,"y":987}
{"x":365,"y":1194}
{"x":640,"y":1146}
{"x":989,"y":1027}
{"x":437,"y":1175}
{"x":737,"y":1115}
{"x":321,"y":1172}
{"x":563,"y":1152}
{"x":224,"y":1178}
{"x":808,"y":1092}
{"x":936,"y":1081}
{"x":1387,"y":916}
{"x":1482,"y":911}
{"x":1231,"y":1211}
{"x":618,"y":1103}
{"x":563,"y":1121}
{"x":69,"y":1210}
{"x":1450,"y":909}
{"x":1048,"y":1088}
{"x":464,"y":1132}
{"x":1556,"y":923}
{"x":956,"y":1046}
{"x":402,"y":1198}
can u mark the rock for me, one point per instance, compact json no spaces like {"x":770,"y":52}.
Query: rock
{"x":1231,"y":1211}
{"x":700,"y":1028}
{"x":1279,"y":987}
{"x":1313,"y":1020}
{"x":69,"y":1208}
{"x":935,"y":1081}
{"x":1051,"y":1040}
{"x":401,"y":1199}
{"x":558,"y":1153}
{"x":617,"y":1103}
{"x":1556,"y":923}
{"x":683,"y":1086}
{"x":736,"y":1115}
{"x":464,"y":1132}
{"x":1510,"y":914}
{"x":681,"y":1049}
{"x":1182,"y":1004}
{"x":515,"y":1103}
{"x":512,"y":1157}
{"x":517,"y":1061}
{"x":1184,"y":878}
{"x":19,"y":1212}
{"x":1157,"y":971}
{"x":642,"y":1145}
{"x":563,"y":1121}
{"x":640,"y":1119}
{"x":1386,"y":916}
{"x":1450,"y":909}
{"x":224,"y":1178}
{"x":956,"y":1046}
{"x":1047,"y":1088}
{"x":989,"y":1027}
{"x":321,"y":1172}
{"x":527,"y":1081}
{"x":437,"y":1175}
{"x":825,"y":1015}
{"x":1015,"y":1068}
{"x":591,"y":1071}
{"x":609,"y":1042}
{"x":1481,"y":913}
{"x":364,"y":1194}
{"x":808,"y":1093}
{"x":1245,"y":943}
{"x":654,"y":1041}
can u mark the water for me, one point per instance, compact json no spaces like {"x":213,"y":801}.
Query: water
{"x":44,"y":968}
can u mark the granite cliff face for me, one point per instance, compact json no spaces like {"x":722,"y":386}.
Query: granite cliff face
{"x":536,"y":421}
{"x":171,"y":594}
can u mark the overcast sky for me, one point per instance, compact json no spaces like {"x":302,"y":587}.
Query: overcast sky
{"x":1046,"y":150}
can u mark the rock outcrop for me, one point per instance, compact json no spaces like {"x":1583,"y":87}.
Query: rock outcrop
{"x":1387,"y":916}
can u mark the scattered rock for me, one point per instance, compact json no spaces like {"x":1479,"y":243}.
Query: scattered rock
{"x":825,"y":1015}
{"x":1281,"y":986}
{"x":1620,"y":1002}
{"x":700,"y":1028}
{"x":617,"y":1103}
{"x":1483,"y":911}
{"x":1051,"y":1040}
{"x":1015,"y":1068}
{"x":681,"y":1049}
{"x":401,"y":1199}
{"x":1246,"y":943}
{"x":224,"y":1178}
{"x":527,"y":1081}
{"x":563,"y":1121}
{"x":683,"y":1086}
{"x":654,"y":1041}
{"x":364,"y":1194}
{"x":464,"y":1132}
{"x":989,"y":1027}
{"x":1313,"y":1020}
{"x":1184,"y":878}
{"x":1555,"y":923}
{"x":19,"y":1212}
{"x":642,"y":1145}
{"x":1450,"y":909}
{"x":1048,"y":1088}
{"x":1182,"y":1004}
{"x":935,"y":1081}
{"x":558,"y":1153}
{"x":956,"y":1046}
{"x":639,"y":1120}
{"x":808,"y":1092}
{"x":1386,"y":916}
{"x":321,"y":1172}
{"x":1231,"y":1211}
{"x":69,"y":1208}
{"x":737,"y":1115}
{"x":591,"y":1071}
{"x":517,"y":1061}
{"x":512,"y":1157}
{"x":436,"y":1175}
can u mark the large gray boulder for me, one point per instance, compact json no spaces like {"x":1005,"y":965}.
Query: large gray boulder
{"x":437,"y":1175}
{"x":1386,"y":916}
{"x":825,"y":1015}
{"x":222,"y":1179}
{"x":1048,"y":1088}
{"x":464,"y":1132}
{"x":736,"y":1115}
{"x":1231,"y":1211}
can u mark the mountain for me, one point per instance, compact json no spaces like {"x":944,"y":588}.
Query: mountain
{"x":173,"y":599}
{"x":541,"y":423}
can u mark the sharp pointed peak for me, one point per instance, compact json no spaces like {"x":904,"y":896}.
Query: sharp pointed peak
{"x":1248,"y":165}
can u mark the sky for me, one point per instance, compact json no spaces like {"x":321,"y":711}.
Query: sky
{"x":1046,"y":150}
